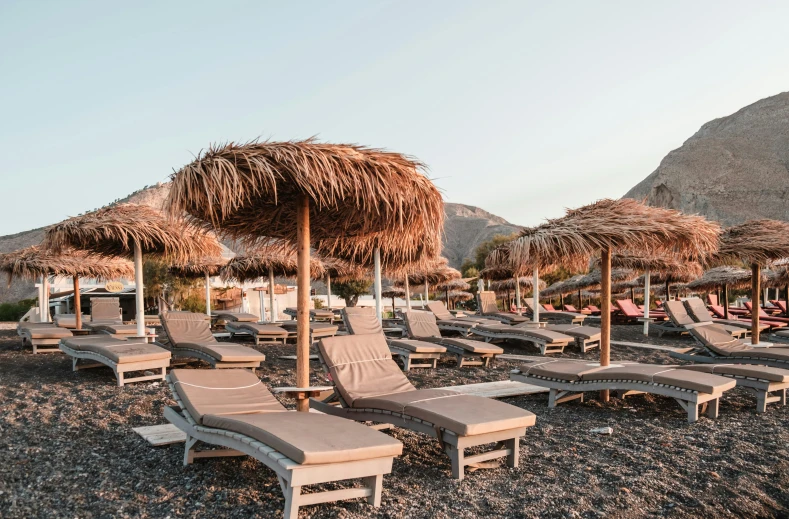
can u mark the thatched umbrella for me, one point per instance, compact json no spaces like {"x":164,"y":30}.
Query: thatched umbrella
{"x":499,"y":267}
{"x":305,"y":192}
{"x":758,"y":243}
{"x":33,"y":262}
{"x":436,"y":272}
{"x":129,"y":230}
{"x":607,"y":226}
{"x":205,"y":268}
{"x":778,"y":277}
{"x":453,"y":284}
{"x":339,"y":270}
{"x":460,"y":295}
{"x":724,"y":277}
{"x":392,"y":292}
{"x":275,"y":260}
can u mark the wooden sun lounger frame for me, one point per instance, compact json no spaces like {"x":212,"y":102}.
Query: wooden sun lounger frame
{"x":208,"y":359}
{"x":235,"y":329}
{"x":50,"y":345}
{"x":468,"y":358}
{"x":407,"y":357}
{"x":507,"y":441}
{"x":465,"y":331}
{"x":563,"y":391}
{"x":120,"y":370}
{"x":545,"y":348}
{"x":292,"y":476}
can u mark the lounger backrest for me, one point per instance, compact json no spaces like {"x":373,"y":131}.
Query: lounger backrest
{"x":570,"y":308}
{"x":749,"y":306}
{"x":421,"y":324}
{"x":697,"y":310}
{"x":712,"y":299}
{"x":677,"y":313}
{"x":548,"y":307}
{"x":487,"y":302}
{"x":361,"y":320}
{"x":187,"y":327}
{"x":781,"y":305}
{"x":593,"y":308}
{"x":439,"y":310}
{"x":105,"y":308}
{"x":716,"y":339}
{"x":628,"y":308}
{"x":222,"y":392}
{"x":361,"y":366}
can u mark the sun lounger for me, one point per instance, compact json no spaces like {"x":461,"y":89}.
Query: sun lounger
{"x":490,"y":310}
{"x":699,"y":313}
{"x":105,"y":317}
{"x":548,"y":341}
{"x":593,"y":310}
{"x":679,"y":320}
{"x":369,"y":386}
{"x":43,"y":337}
{"x":121,"y":355}
{"x":761,"y":381}
{"x":422,"y":326}
{"x":782,"y":307}
{"x":234,"y":410}
{"x":247,"y":324}
{"x":318,"y":330}
{"x":362,"y":321}
{"x":586,"y":337}
{"x":764,"y":318}
{"x":630,"y":313}
{"x":572,"y":309}
{"x":190,"y":336}
{"x":716,"y":345}
{"x":550,"y":314}
{"x":323,"y":314}
{"x":68,"y":321}
{"x":452,"y":323}
{"x":568,"y":380}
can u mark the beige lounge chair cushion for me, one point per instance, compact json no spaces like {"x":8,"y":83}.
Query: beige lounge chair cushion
{"x":421,"y":324}
{"x":224,"y":352}
{"x":222,"y":392}
{"x":262,"y":330}
{"x":318,"y":330}
{"x":678,"y":313}
{"x":118,"y":351}
{"x":458,"y":323}
{"x":658,"y":374}
{"x":697,"y":310}
{"x":105,"y":309}
{"x":310,"y":438}
{"x":68,"y":320}
{"x":574,"y":330}
{"x":767,"y":373}
{"x":322,"y":314}
{"x":464,"y":415}
{"x":117,"y":329}
{"x":417,"y":346}
{"x":478,"y":347}
{"x":719,"y":341}
{"x":239,"y":317}
{"x":362,"y":366}
{"x":361,"y":320}
{"x":568,"y":370}
{"x":45,"y":332}
{"x":548,"y":336}
{"x":187,"y":327}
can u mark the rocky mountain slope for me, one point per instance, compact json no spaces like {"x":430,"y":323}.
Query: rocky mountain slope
{"x":733,"y":169}
{"x":465,"y":228}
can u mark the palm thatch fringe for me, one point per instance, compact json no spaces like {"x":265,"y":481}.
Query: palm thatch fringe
{"x":32,"y":262}
{"x":525,"y":282}
{"x":242,"y":269}
{"x":714,"y":278}
{"x":759,"y":242}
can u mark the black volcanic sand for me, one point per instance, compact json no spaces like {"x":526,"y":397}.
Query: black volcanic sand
{"x":68,"y":451}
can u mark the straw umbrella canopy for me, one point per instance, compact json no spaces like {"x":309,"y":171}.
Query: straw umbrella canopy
{"x":607,"y":226}
{"x":454,"y":284}
{"x":129,"y":230}
{"x":499,"y":267}
{"x":305,"y":192}
{"x":392,"y":292}
{"x":460,"y":295}
{"x":758,"y":243}
{"x":33,"y":262}
{"x":427,"y":273}
{"x":339,"y":270}
{"x":204,"y":268}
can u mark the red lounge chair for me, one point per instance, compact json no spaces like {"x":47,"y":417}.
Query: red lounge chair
{"x":593,"y":309}
{"x":549,"y":308}
{"x":631,"y":312}
{"x":712,"y":299}
{"x":782,"y":306}
{"x":571,"y":308}
{"x":765,"y":318}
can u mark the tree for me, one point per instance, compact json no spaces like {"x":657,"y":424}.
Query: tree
{"x":160,"y":283}
{"x":351,"y":290}
{"x":485,"y":248}
{"x":469,"y":269}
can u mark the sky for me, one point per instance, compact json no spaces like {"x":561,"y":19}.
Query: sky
{"x":522,"y":108}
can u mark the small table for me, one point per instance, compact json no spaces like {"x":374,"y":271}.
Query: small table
{"x":301,"y":393}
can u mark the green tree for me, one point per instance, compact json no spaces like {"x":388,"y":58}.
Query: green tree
{"x":351,"y":290}
{"x":485,"y":248}
{"x":469,"y":269}
{"x":159,"y":282}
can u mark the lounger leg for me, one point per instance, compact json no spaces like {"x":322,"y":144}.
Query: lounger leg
{"x":375,"y":483}
{"x":693,"y":412}
{"x":74,"y":361}
{"x":487,"y":362}
{"x":457,"y":455}
{"x":189,"y":450}
{"x":712,"y":409}
{"x":232,"y":335}
{"x":119,"y":374}
{"x":406,"y":362}
{"x":782,"y":397}
{"x":514,"y":446}
{"x":761,"y":402}
{"x":292,"y":495}
{"x":552,"y":398}
{"x":435,"y":363}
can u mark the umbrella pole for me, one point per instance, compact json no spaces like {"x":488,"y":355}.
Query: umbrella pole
{"x":271,"y":317}
{"x":77,"y":304}
{"x":786,"y":299}
{"x":208,"y":295}
{"x":427,"y":296}
{"x":303,"y":300}
{"x":668,"y":291}
{"x":377,"y":280}
{"x":517,"y":296}
{"x":535,"y":285}
{"x":328,"y":290}
{"x":41,"y":300}
{"x":755,"y":274}
{"x":561,"y":301}
{"x":46,"y":299}
{"x":138,"y":290}
{"x":725,"y":301}
{"x":605,"y":316}
{"x":646,"y":302}
{"x":580,"y":301}
{"x":407,"y":295}
{"x":262,"y":300}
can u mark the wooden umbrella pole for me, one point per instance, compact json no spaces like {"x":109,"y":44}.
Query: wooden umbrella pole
{"x":272,"y":316}
{"x":646,"y":301}
{"x":536,"y":295}
{"x":668,"y":291}
{"x":407,"y":295}
{"x":561,"y":301}
{"x":427,"y":296}
{"x":328,"y":290}
{"x":77,"y":304}
{"x":139,"y":288}
{"x":580,"y":301}
{"x":303,"y":300}
{"x":207,"y":294}
{"x":605,"y":316}
{"x":262,"y":300}
{"x":725,"y":301}
{"x":755,"y":274}
{"x":786,"y":299}
{"x":517,"y":296}
{"x":377,"y":283}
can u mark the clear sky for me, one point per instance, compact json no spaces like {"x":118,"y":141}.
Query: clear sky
{"x":521,"y":108}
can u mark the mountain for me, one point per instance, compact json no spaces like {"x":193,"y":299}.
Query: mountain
{"x":465,"y":227}
{"x":733,"y":169}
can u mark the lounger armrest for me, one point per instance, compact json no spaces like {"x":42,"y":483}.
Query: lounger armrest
{"x":301,"y":393}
